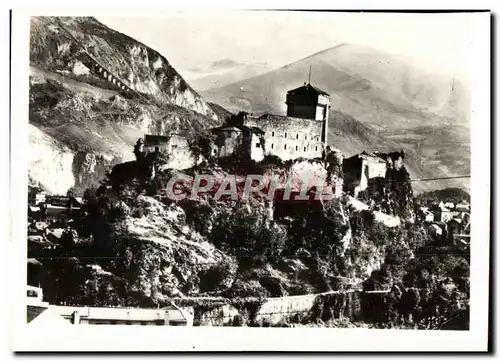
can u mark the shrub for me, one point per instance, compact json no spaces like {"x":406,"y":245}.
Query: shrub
{"x":247,"y":236}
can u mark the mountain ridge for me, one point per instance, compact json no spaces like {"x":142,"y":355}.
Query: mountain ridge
{"x":388,"y":103}
{"x":93,"y":93}
{"x":408,"y":96}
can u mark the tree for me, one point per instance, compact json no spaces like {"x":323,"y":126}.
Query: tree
{"x":247,"y":237}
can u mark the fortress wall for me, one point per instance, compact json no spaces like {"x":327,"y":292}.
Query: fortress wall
{"x":290,"y":138}
{"x":354,"y":305}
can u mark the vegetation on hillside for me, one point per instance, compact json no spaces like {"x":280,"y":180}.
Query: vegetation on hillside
{"x":454,"y":195}
{"x":137,"y":247}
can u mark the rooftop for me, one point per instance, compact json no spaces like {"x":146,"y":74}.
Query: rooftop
{"x":308,"y":89}
{"x":239,"y":128}
{"x":268,"y":116}
{"x":152,"y":139}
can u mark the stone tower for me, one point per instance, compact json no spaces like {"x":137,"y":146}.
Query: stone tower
{"x":309,"y":102}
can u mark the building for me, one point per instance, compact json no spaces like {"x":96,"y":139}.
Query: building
{"x":449,"y":205}
{"x":175,"y":146}
{"x":309,"y":102}
{"x":167,"y":316}
{"x":463,"y":206}
{"x":394,"y":160}
{"x":360,"y":168}
{"x":290,"y":138}
{"x":426,"y":214}
{"x":435,"y":230}
{"x":441,"y":213}
{"x":244,"y":141}
{"x":35,"y":296}
{"x":455,"y":226}
{"x":36,"y":196}
{"x":78,"y":315}
{"x":58,"y":201}
{"x":302,"y":133}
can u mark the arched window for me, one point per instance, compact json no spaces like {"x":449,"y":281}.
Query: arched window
{"x":272,"y":134}
{"x":316,"y":148}
{"x":285,"y":146}
{"x":305,"y":149}
{"x":272,"y":146}
{"x":296,"y":147}
{"x":305,"y":137}
{"x":297,"y":136}
{"x":285,"y":135}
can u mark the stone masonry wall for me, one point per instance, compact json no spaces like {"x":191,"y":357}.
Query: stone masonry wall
{"x":290,"y":138}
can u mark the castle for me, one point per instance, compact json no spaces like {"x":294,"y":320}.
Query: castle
{"x":302,"y":133}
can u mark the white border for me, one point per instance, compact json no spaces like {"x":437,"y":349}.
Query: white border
{"x":23,"y":337}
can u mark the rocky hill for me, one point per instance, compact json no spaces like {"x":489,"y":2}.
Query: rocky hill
{"x":379,"y":101}
{"x":93,"y":93}
{"x":151,"y":248}
{"x":135,"y":247}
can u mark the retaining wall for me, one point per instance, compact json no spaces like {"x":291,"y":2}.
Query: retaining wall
{"x":354,"y":305}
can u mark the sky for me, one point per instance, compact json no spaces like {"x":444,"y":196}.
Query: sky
{"x":192,"y":39}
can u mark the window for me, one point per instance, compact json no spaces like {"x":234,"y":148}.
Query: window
{"x":305,"y":137}
{"x":272,"y":134}
{"x":305,"y":149}
{"x":272,"y":146}
{"x":285,"y":135}
{"x":177,"y":323}
{"x":285,"y":146}
{"x":316,"y":148}
{"x":257,"y":145}
{"x":297,"y":136}
{"x":296,"y":147}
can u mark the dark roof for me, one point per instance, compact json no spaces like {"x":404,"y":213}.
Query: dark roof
{"x":150,"y":140}
{"x":226,"y":127}
{"x":241,"y":128}
{"x":280,"y":117}
{"x":308,"y":89}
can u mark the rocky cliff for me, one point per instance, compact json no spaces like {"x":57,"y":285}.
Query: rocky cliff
{"x":136,"y":247}
{"x":93,"y":93}
{"x":67,"y":43}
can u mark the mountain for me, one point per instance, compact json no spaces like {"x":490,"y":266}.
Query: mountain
{"x":93,"y":93}
{"x":379,"y":101}
{"x":223,"y":72}
{"x":381,"y":89}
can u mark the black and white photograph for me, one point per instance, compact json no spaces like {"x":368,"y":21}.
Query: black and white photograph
{"x":254,"y":170}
